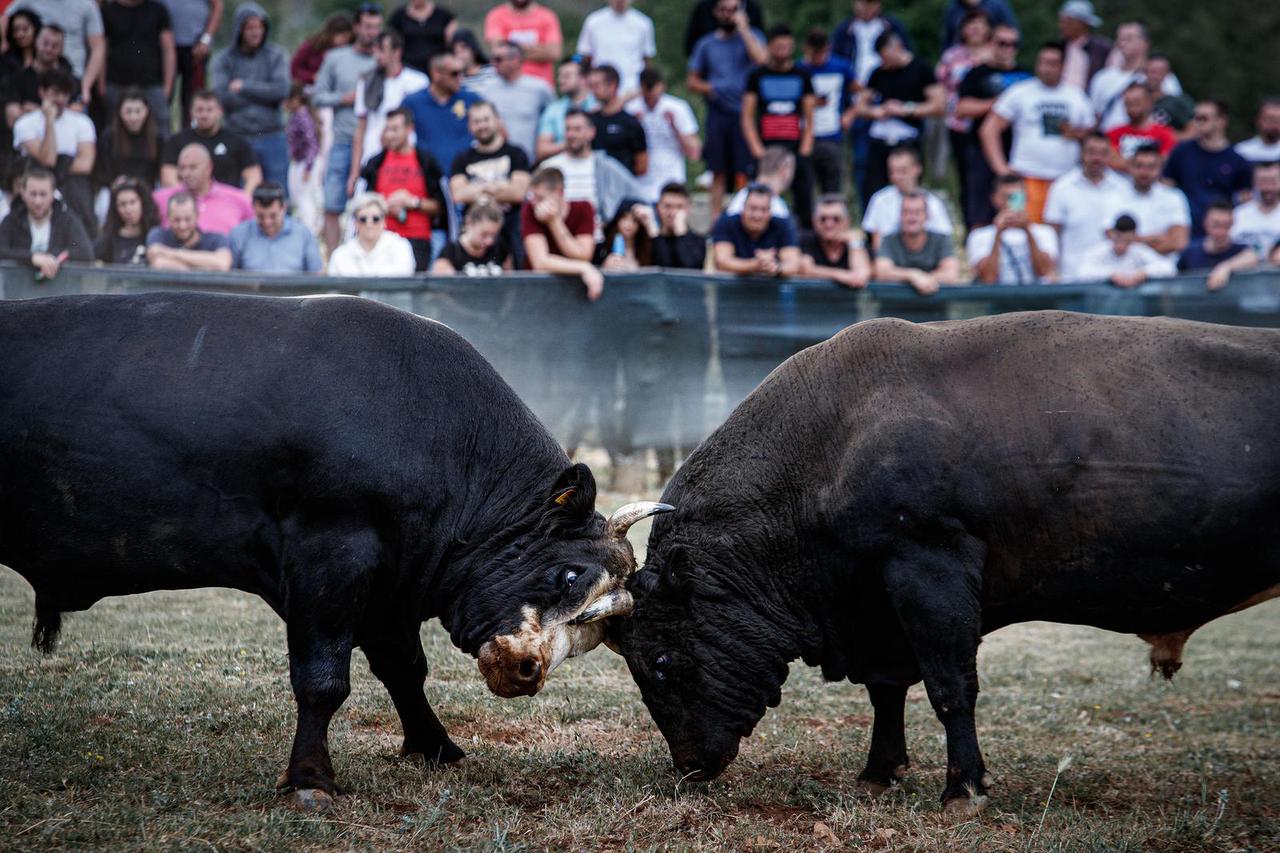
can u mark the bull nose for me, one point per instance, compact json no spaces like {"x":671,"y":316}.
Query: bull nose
{"x":528,"y":672}
{"x":691,"y":769}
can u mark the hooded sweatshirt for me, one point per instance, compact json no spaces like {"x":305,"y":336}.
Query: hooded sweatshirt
{"x":255,"y":109}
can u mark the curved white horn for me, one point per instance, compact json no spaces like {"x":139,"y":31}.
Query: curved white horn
{"x":618,"y":603}
{"x":625,"y":516}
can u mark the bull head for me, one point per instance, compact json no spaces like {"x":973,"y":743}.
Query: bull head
{"x":618,"y":602}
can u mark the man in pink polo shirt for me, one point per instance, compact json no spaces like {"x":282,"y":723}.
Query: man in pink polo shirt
{"x":220,"y":207}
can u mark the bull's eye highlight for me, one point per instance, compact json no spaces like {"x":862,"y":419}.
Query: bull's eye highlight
{"x":660,"y":664}
{"x":568,"y":579}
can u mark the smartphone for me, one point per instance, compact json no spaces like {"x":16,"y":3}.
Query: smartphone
{"x":1018,"y":200}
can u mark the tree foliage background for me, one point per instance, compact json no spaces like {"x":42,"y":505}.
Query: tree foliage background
{"x":1227,"y":49}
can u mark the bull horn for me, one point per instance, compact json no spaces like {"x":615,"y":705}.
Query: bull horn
{"x":618,"y":603}
{"x":625,"y":516}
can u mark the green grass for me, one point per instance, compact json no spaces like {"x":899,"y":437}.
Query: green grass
{"x":163,"y":720}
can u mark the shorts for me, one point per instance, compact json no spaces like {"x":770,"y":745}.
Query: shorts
{"x":335,"y":177}
{"x":725,"y":150}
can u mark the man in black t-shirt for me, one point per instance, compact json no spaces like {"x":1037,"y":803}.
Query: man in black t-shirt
{"x":618,"y":133}
{"x":140,"y":52}
{"x":899,"y":96}
{"x":234,"y":162}
{"x":491,"y":168}
{"x":777,"y":109}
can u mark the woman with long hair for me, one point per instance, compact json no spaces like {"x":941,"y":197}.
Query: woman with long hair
{"x":628,"y":240}
{"x":338,"y":30}
{"x":130,"y":217}
{"x":131,"y":145}
{"x":480,"y":249}
{"x":20,"y":36}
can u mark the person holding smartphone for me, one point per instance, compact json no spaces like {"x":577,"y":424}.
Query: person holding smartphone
{"x":1013,"y":249}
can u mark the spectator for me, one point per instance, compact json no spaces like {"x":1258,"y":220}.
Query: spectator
{"x":884,"y":209}
{"x":628,"y":239}
{"x":220,"y":206}
{"x":131,"y":145}
{"x":1173,"y":111}
{"x":978,"y":93}
{"x":491,"y":170}
{"x":1049,"y":117}
{"x":854,"y":41}
{"x":1141,"y":130}
{"x":1161,"y":213}
{"x":833,"y":112}
{"x":677,"y":246}
{"x":84,"y":46}
{"x":921,"y":258}
{"x":338,"y":31}
{"x":587,"y":175}
{"x":755,"y":242}
{"x":426,"y":29}
{"x":273,"y":241}
{"x":481,"y":250}
{"x":1121,"y":259}
{"x":1081,"y":202}
{"x":373,"y":251}
{"x":62,"y":141}
{"x":131,"y":215}
{"x":1084,"y":51}
{"x":574,"y":94}
{"x":234,"y":162}
{"x":777,"y":170}
{"x":20,"y":40}
{"x":901,"y":93}
{"x":384,"y":90}
{"x":974,"y":49}
{"x":1217,"y":252}
{"x":703,"y":21}
{"x":618,"y":133}
{"x":302,"y":136}
{"x":40,"y":231}
{"x":477,"y":73}
{"x":519,"y":98}
{"x":1257,"y":221}
{"x":195,"y":22}
{"x":532,"y":26}
{"x":1109,"y":86}
{"x":183,"y":246}
{"x":718,"y":71}
{"x":670,"y":131}
{"x":141,"y":53}
{"x":409,"y":178}
{"x":997,"y":12}
{"x":335,"y":88}
{"x":558,"y":233}
{"x":1205,"y":167}
{"x":777,"y":111}
{"x":1265,"y":146}
{"x":442,"y":108}
{"x":620,"y":36}
{"x":22,"y":87}
{"x":251,"y":77}
{"x":834,"y":252}
{"x":1013,"y":249}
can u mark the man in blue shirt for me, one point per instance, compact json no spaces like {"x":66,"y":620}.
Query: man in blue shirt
{"x":833,"y":85}
{"x":273,"y":241}
{"x":440,"y":110}
{"x":755,"y":243}
{"x":718,"y":70}
{"x":1205,"y":167}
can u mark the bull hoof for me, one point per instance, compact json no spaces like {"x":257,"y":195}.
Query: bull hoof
{"x":870,"y":788}
{"x":988,"y":779}
{"x":447,"y":753}
{"x":309,"y":800}
{"x":964,"y":808}
{"x":900,"y":772}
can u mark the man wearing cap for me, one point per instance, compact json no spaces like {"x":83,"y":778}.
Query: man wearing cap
{"x":1086,"y":51}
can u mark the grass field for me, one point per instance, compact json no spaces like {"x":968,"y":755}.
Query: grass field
{"x":163,"y":720}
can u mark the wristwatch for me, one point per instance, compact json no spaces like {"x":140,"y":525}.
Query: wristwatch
{"x":206,"y":39}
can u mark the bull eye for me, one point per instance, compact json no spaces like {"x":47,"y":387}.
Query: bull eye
{"x":660,"y":664}
{"x":568,"y":579}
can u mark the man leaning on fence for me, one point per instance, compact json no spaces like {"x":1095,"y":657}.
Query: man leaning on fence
{"x":273,"y":241}
{"x":183,"y":246}
{"x":39,"y":230}
{"x":754,"y":242}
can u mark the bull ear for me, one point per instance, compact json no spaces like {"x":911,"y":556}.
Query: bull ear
{"x":573,"y":497}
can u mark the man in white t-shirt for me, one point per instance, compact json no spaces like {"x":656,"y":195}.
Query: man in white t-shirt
{"x":1160,"y":211}
{"x":53,"y":132}
{"x":1049,"y":118}
{"x":1257,"y":221}
{"x":1265,"y":147}
{"x":1013,"y":249}
{"x":1081,"y":203}
{"x":884,"y":208}
{"x":388,"y":84}
{"x":671,"y":131}
{"x":1121,"y":259}
{"x":1106,"y":89}
{"x":620,"y":36}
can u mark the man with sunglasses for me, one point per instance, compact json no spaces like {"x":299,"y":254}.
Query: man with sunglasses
{"x":440,"y":111}
{"x":1205,"y":167}
{"x":273,"y":241}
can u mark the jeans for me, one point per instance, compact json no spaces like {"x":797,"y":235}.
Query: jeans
{"x":335,"y":177}
{"x":827,"y":165}
{"x":190,"y":79}
{"x":273,"y":155}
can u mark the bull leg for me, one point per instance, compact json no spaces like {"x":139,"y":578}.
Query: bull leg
{"x":887,"y":759}
{"x":936,"y":596}
{"x":402,"y":669}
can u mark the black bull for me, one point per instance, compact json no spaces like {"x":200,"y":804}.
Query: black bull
{"x":885,"y":498}
{"x":359,"y":468}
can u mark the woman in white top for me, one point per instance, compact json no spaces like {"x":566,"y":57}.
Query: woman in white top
{"x":374,"y":251}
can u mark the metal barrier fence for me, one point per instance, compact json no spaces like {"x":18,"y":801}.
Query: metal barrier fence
{"x":664,"y":356}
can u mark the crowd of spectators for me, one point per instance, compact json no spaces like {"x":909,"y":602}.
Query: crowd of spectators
{"x":396,"y":142}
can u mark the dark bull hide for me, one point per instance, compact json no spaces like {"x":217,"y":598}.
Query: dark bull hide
{"x":885,"y":498}
{"x":359,"y":468}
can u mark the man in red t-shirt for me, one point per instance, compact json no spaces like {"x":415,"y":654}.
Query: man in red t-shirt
{"x":559,"y":236}
{"x":409,"y":179}
{"x":1141,"y":131}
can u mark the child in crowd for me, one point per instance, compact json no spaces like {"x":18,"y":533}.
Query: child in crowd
{"x":305,"y":177}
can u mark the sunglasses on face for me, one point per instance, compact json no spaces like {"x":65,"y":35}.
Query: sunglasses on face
{"x":1003,"y":43}
{"x":373,"y":218}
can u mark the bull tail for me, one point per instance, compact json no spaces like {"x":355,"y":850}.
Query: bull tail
{"x":47,"y":625}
